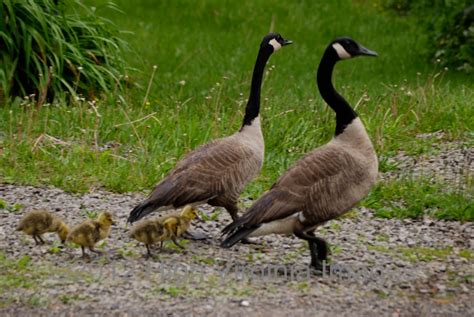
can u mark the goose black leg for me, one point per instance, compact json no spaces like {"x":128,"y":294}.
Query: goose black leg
{"x":234,"y":213}
{"x":318,"y":249}
{"x":233,"y":210}
{"x":316,"y":263}
{"x":321,"y":245}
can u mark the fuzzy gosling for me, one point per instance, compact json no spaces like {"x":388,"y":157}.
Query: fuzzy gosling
{"x":176,"y":225}
{"x":88,"y":233}
{"x":37,"y":222}
{"x":149,"y":231}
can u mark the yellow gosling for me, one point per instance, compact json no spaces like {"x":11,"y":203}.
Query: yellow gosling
{"x":176,"y":225}
{"x":88,"y":233}
{"x":37,"y":222}
{"x":149,"y":232}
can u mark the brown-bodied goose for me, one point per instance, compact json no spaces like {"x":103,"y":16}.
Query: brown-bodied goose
{"x":325,"y":183}
{"x":216,"y":173}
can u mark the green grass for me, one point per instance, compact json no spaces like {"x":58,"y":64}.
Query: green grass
{"x":15,"y":273}
{"x":415,"y":198}
{"x":204,"y":52}
{"x":52,"y":48}
{"x":31,"y":277}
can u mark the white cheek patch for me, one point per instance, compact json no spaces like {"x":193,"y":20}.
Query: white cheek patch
{"x":341,"y":51}
{"x":275,"y":44}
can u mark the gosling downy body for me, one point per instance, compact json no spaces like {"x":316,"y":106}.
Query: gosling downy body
{"x":89,"y":232}
{"x":176,"y":225}
{"x":325,"y":183}
{"x":149,"y":232}
{"x":216,"y":172}
{"x":37,"y":222}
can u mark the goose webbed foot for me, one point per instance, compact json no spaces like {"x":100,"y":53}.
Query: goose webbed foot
{"x":248,"y":241}
{"x":195,"y":235}
{"x":320,"y":268}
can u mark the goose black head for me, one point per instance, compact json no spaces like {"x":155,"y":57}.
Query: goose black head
{"x":273,"y":42}
{"x":346,"y":48}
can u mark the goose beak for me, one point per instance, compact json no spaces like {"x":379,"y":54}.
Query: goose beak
{"x":286,"y":42}
{"x":366,"y":51}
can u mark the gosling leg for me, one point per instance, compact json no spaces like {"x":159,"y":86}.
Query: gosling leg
{"x":148,"y":252}
{"x":84,"y":254}
{"x":36,"y":240}
{"x":40,"y":239}
{"x":176,"y":243}
{"x":94,"y":250}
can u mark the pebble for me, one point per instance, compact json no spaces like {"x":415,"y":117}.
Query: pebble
{"x":244,"y":303}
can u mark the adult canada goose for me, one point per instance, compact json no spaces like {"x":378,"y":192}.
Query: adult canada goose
{"x":216,"y":173}
{"x":325,"y":183}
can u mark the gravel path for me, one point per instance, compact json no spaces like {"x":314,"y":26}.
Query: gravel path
{"x":382,"y":267}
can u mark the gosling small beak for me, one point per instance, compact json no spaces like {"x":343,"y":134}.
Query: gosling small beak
{"x":286,"y":42}
{"x":365,"y":51}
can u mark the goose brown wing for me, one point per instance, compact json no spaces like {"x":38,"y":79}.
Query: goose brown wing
{"x":206,"y":172}
{"x":306,"y":181}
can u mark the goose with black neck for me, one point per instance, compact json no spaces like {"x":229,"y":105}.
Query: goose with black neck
{"x":217,"y":172}
{"x":325,"y":183}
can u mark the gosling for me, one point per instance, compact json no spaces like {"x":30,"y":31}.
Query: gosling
{"x":37,"y":222}
{"x":88,"y":233}
{"x":149,"y":232}
{"x":177,"y":225}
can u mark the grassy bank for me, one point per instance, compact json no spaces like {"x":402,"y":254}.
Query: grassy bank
{"x":204,"y":52}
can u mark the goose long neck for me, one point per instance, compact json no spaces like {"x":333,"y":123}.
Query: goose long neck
{"x":253,"y":105}
{"x":344,"y":112}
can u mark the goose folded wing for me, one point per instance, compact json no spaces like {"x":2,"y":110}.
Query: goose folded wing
{"x":298,"y":186}
{"x":204,"y":173}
